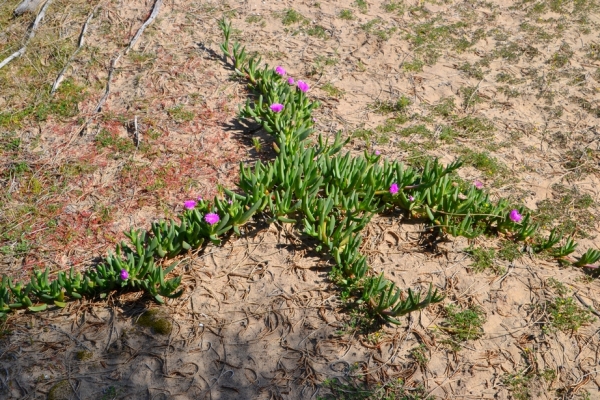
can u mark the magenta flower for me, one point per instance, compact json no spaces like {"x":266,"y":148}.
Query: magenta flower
{"x":189,"y":204}
{"x":394,"y":188}
{"x":410,"y":198}
{"x":515,"y":216}
{"x":291,"y":81}
{"x":280,"y":71}
{"x":276,"y":107}
{"x":303,"y":86}
{"x":377,"y":152}
{"x":212,"y":218}
{"x":478,"y":184}
{"x":124,"y":275}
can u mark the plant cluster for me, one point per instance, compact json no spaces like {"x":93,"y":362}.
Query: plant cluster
{"x":330,"y":196}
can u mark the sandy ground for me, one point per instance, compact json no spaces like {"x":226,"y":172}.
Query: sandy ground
{"x":259,"y":317}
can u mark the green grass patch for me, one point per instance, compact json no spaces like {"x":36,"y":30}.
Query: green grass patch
{"x":414,"y":65}
{"x":393,"y":7}
{"x":332,"y":90}
{"x":107,"y":139}
{"x":463,"y":324}
{"x":474,"y":127}
{"x":362,"y":5}
{"x":483,"y":259}
{"x":317,"y":31}
{"x":510,"y":251}
{"x":180,"y":114}
{"x":570,"y":211}
{"x":484,"y":162}
{"x":471,"y":70}
{"x":565,"y":315}
{"x":352,"y":388}
{"x":346,"y":14}
{"x":391,"y":106}
{"x":291,"y":16}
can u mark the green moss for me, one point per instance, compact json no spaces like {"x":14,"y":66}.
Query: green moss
{"x":84,"y":355}
{"x":153,"y":319}
{"x":61,"y":391}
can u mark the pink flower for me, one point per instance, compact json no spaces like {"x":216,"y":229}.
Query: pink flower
{"x":478,"y":184}
{"x":303,"y":86}
{"x":394,"y":188}
{"x":199,"y":198}
{"x":212,"y":218}
{"x":410,"y":198}
{"x":377,"y":152}
{"x":276,"y":107}
{"x":189,"y":204}
{"x":124,"y":275}
{"x":515,"y":216}
{"x":291,"y":81}
{"x":591,"y":266}
{"x":280,"y":71}
{"x":229,"y":201}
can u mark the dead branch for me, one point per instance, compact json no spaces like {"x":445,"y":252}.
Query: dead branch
{"x":27,"y":6}
{"x":151,"y":18}
{"x":34,"y":28}
{"x":132,"y":42}
{"x":60,"y":76}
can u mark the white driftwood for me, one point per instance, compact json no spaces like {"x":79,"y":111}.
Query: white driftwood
{"x":150,"y":19}
{"x":113,"y":64}
{"x":27,"y":6}
{"x":60,"y":76}
{"x":34,"y":28}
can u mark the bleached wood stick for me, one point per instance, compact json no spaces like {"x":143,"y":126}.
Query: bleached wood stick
{"x":60,"y":76}
{"x":137,"y":133}
{"x":132,"y":42}
{"x":107,"y":89}
{"x":151,"y":18}
{"x":27,"y":6}
{"x":34,"y":28}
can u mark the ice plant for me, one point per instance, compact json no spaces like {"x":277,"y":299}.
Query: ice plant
{"x":515,"y":216}
{"x":291,"y":81}
{"x":124,"y":274}
{"x":280,"y":71}
{"x":276,"y":107}
{"x":410,"y":198}
{"x":377,"y":153}
{"x":303,"y":86}
{"x":189,"y":204}
{"x":394,"y":188}
{"x":211,"y":218}
{"x":478,"y":184}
